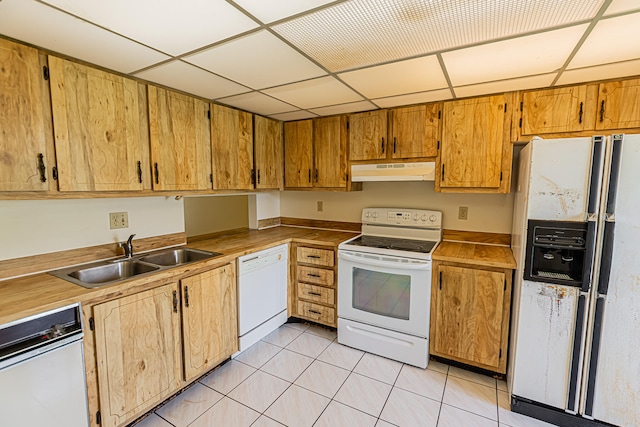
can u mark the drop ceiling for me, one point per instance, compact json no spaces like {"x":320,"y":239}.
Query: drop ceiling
{"x":298,"y":59}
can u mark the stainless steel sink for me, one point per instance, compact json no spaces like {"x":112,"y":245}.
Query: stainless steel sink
{"x":104,"y":273}
{"x":179,"y":256}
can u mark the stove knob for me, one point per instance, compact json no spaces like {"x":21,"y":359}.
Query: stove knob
{"x":367,"y":214}
{"x":432,"y":218}
{"x":424,"y":217}
{"x":415,"y":217}
{"x":375,"y":214}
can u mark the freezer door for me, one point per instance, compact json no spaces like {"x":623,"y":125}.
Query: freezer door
{"x":562,"y":174}
{"x":613,"y":395}
{"x":546,"y":327}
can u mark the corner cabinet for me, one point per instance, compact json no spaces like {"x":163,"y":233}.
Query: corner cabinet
{"x":475,"y":150}
{"x":101,"y":132}
{"x":470,"y":314}
{"x":180,"y":141}
{"x":315,"y":285}
{"x":26,"y":145}
{"x":232,"y":148}
{"x":267,"y":142}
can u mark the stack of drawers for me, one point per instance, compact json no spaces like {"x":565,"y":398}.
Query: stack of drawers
{"x":315,"y":285}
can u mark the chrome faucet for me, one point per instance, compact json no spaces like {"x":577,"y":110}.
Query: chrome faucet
{"x":127,"y":246}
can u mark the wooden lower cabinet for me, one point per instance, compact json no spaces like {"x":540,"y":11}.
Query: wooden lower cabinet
{"x":470,"y":310}
{"x":151,"y":344}
{"x":315,"y":291}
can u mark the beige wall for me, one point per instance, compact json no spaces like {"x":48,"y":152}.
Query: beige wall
{"x":32,"y":227}
{"x":487,"y":212}
{"x":210,"y":214}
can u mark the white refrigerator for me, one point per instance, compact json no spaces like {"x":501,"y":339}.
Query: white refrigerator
{"x":575,"y":350}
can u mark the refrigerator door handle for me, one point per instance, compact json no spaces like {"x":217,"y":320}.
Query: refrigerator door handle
{"x":576,"y":353}
{"x":593,"y":360}
{"x":589,"y":255}
{"x":596,"y":167}
{"x":612,"y":192}
{"x":607,"y":252}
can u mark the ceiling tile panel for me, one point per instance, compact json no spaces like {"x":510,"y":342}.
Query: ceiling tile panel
{"x":294,"y":115}
{"x":46,"y":27}
{"x":257,"y":102}
{"x":352,"y":107}
{"x":274,"y":10}
{"x":186,"y":77}
{"x":414,"y":98}
{"x":612,"y":40}
{"x":315,"y":93}
{"x":258,"y":60}
{"x":174,"y":27}
{"x":619,"y":6}
{"x":359,"y":33}
{"x":531,"y":82}
{"x":520,"y":57}
{"x":413,"y":75}
{"x":600,"y":72}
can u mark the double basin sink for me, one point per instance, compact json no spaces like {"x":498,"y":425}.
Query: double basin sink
{"x":104,"y":273}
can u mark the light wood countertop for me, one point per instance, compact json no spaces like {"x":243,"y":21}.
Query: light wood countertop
{"x":475,"y":253}
{"x":29,"y":295}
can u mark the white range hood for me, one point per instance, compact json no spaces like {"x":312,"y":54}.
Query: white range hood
{"x":417,"y":171}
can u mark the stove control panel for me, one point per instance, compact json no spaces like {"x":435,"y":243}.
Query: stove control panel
{"x":406,"y":217}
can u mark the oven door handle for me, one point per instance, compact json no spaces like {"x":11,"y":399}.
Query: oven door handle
{"x":377,"y":262}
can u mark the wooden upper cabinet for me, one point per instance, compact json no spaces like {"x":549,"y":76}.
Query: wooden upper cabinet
{"x":556,"y":110}
{"x":268,"y":153}
{"x":209,"y":320}
{"x":232,"y":148}
{"x":26,"y":155}
{"x":180,"y":141}
{"x":414,"y":131}
{"x":474,"y":136}
{"x":330,"y":156}
{"x":469,"y":316}
{"x":368,"y":136}
{"x":298,"y":152}
{"x":100,"y":140}
{"x":137,"y":353}
{"x":618,"y":105}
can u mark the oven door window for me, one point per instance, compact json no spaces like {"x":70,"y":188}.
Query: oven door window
{"x":386,"y":294}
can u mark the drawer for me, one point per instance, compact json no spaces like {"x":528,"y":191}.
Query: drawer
{"x":317,"y":294}
{"x":315,"y":256}
{"x":317,"y":276}
{"x":317,"y":313}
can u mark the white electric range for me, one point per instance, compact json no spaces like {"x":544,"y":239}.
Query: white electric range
{"x":384,"y":283}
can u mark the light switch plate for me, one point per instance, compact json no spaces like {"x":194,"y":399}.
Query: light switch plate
{"x":319,"y":206}
{"x":463,"y":212}
{"x":118,"y":220}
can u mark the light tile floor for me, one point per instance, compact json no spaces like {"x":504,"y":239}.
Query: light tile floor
{"x":299,"y":376}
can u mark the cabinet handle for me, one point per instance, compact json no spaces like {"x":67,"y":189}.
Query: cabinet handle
{"x":313,"y":275}
{"x":313,"y":256}
{"x":382,"y":145}
{"x":258,"y":176}
{"x":394,"y":145}
{"x":315,"y":312}
{"x":441,"y":280}
{"x":175,"y":301}
{"x":253,"y":176}
{"x":316,"y":175}
{"x":309,"y":175}
{"x":157,"y":174}
{"x":580,"y":114}
{"x":139,"y":172}
{"x":316,"y":294}
{"x":602,"y":111}
{"x":442,"y":173}
{"x":186,"y":296}
{"x":42,"y":168}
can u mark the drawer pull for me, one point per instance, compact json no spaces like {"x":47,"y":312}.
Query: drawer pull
{"x":175,"y":301}
{"x":315,"y":312}
{"x":315,"y":294}
{"x":313,"y":256}
{"x":186,"y":296}
{"x":313,"y":275}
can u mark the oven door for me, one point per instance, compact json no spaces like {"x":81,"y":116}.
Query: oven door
{"x":385,"y":291}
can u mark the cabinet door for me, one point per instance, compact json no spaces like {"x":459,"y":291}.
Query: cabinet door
{"x":368,"y":136}
{"x":472,"y":143}
{"x":268,"y":151}
{"x":209,"y":320}
{"x":97,"y":129}
{"x":23,"y":120}
{"x":232,"y":148}
{"x":298,"y":152}
{"x":619,"y":105}
{"x":415,"y":131}
{"x":330,"y":145}
{"x":469,"y":310}
{"x":180,"y":141}
{"x":138,"y":353}
{"x":554,"y":110}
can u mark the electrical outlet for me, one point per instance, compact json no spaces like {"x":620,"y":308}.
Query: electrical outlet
{"x":118,"y":220}
{"x":320,"y":206}
{"x":463,"y":212}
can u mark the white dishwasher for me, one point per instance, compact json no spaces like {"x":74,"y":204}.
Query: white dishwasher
{"x":262,"y":294}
